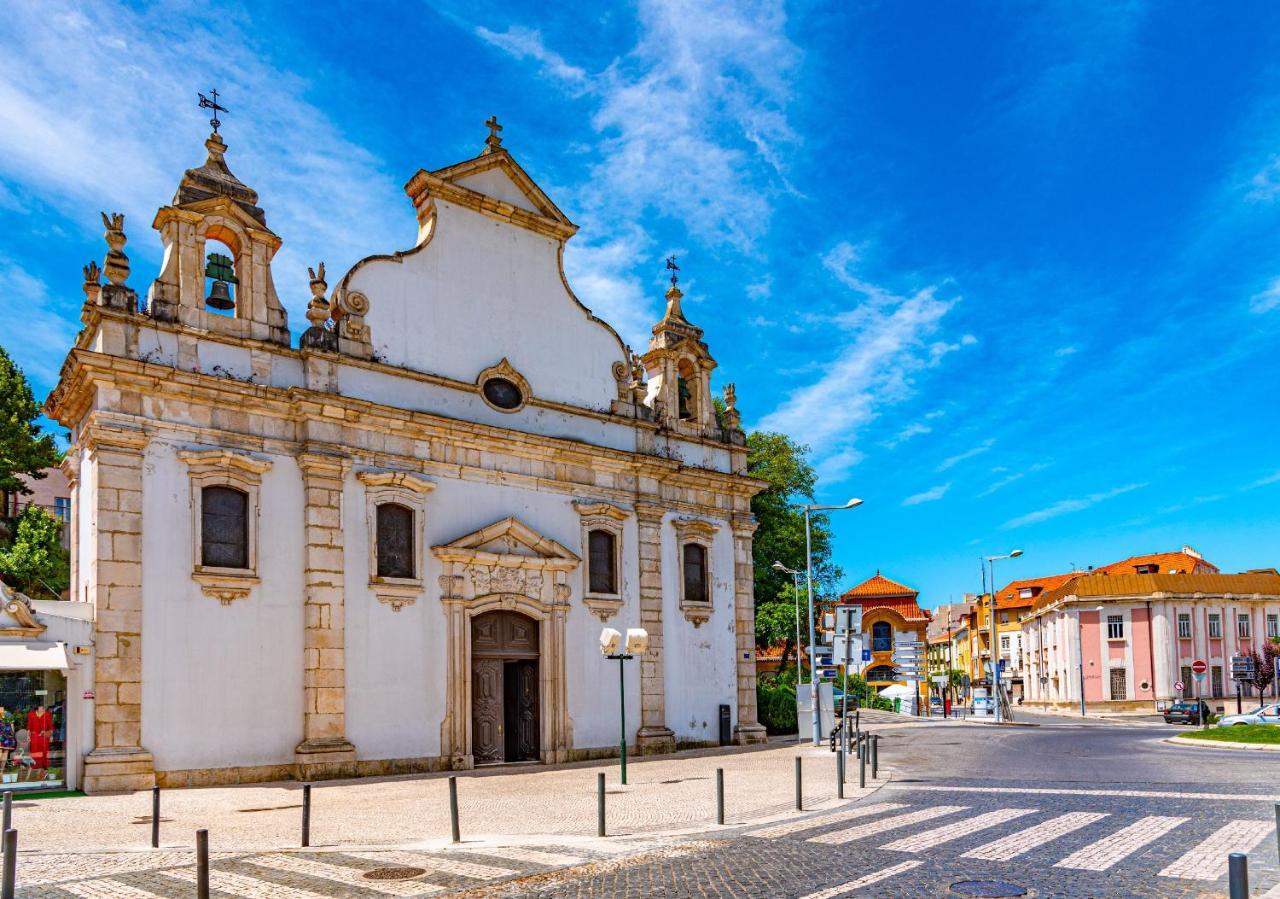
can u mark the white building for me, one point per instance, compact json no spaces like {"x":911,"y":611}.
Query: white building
{"x":392,"y":547}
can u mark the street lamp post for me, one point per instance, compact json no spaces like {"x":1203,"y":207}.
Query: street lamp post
{"x":996,"y":689}
{"x":612,"y":647}
{"x":809,"y":509}
{"x":795,"y":594}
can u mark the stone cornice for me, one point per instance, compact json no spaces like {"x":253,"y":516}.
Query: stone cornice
{"x":424,"y":186}
{"x":393,"y":478}
{"x":223,"y":458}
{"x":589,"y":509}
{"x":100,"y":431}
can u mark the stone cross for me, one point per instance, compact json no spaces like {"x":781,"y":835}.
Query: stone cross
{"x":493,"y":141}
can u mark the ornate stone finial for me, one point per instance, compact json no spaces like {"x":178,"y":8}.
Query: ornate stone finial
{"x":318,"y":307}
{"x":492,"y":142}
{"x":206,"y":103}
{"x":92,"y":284}
{"x":732,"y":417}
{"x":116,"y":265}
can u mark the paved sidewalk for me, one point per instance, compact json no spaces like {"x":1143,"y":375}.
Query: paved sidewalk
{"x":514,"y":821}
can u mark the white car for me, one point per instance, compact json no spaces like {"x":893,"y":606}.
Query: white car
{"x":1267,"y":714}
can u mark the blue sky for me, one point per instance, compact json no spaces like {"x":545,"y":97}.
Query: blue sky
{"x":1013,"y":272}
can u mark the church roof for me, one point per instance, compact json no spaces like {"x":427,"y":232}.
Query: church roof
{"x":214,"y":179}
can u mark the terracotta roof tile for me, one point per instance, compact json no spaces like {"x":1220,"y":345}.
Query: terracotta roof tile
{"x":1166,"y":563}
{"x":879,"y":585}
{"x":1008,"y":596}
{"x":904,"y":605}
{"x":1129,"y":585}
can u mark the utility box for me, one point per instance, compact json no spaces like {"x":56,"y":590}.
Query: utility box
{"x":726,"y":731}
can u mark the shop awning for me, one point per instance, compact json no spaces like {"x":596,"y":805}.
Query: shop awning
{"x":33,"y":657}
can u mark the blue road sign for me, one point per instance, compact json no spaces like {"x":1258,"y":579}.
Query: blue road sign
{"x":866,"y":657}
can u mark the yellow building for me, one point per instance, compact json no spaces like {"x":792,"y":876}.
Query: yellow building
{"x":890,"y":614}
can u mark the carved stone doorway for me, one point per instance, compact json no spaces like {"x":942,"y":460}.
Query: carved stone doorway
{"x":504,"y":688}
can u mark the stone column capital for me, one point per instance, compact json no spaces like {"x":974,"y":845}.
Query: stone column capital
{"x":649,"y":512}
{"x":315,"y":463}
{"x":100,"y":434}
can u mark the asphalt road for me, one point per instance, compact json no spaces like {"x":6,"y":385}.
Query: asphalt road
{"x":1064,"y":809}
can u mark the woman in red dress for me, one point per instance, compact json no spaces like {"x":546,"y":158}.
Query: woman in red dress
{"x":40,"y":726}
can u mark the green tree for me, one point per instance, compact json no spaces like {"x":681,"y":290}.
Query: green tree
{"x":24,"y":450}
{"x":784,"y":465}
{"x":35,"y":562}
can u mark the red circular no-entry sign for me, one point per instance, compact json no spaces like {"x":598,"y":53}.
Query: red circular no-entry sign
{"x":1199,"y":666}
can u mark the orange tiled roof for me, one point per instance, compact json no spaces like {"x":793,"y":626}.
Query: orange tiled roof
{"x":1166,"y":563}
{"x":904,"y":605}
{"x":1129,"y":585}
{"x":879,"y":585}
{"x":1008,"y":596}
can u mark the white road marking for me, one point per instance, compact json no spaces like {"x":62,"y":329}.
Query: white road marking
{"x":436,"y":863}
{"x":106,"y":888}
{"x":861,"y":882}
{"x":1016,"y":844}
{"x":1102,"y":854}
{"x":874,"y":828}
{"x":948,"y":832}
{"x":533,"y":856}
{"x":782,"y":830}
{"x":1094,"y":793}
{"x":244,"y":886}
{"x":343,"y":874}
{"x":1208,"y":860}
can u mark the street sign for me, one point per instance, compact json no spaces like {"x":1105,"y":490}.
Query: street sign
{"x":1199,"y":666}
{"x":866,"y":655}
{"x":940,"y":679}
{"x":848,"y":619}
{"x":1242,"y":668}
{"x":827,"y":673}
{"x":1198,"y":675}
{"x":1277,"y":662}
{"x":852,"y":652}
{"x":1178,"y":686}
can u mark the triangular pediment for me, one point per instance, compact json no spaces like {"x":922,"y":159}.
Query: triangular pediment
{"x":507,"y":538}
{"x":499,"y":176}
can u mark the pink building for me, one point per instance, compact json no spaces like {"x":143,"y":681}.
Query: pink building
{"x":52,"y":493}
{"x":1132,"y":637}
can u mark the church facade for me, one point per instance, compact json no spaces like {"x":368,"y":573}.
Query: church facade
{"x":390,"y":545}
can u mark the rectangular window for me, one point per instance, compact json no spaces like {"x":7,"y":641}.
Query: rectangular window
{"x":602,"y":555}
{"x":1273,"y":626}
{"x":1119,"y":687}
{"x":1025,"y":593}
{"x":695,"y":573}
{"x":62,"y":508}
{"x":1242,"y":625}
{"x":1115,"y":627}
{"x":1004,"y":643}
{"x":224,"y":527}
{"x":1184,"y":625}
{"x":1215,"y":626}
{"x":35,"y":704}
{"x":1215,"y":681}
{"x":394,"y":525}
{"x":1004,"y":617}
{"x":1188,"y":684}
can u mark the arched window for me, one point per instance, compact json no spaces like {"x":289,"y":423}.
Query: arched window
{"x":602,"y":561}
{"x":881,"y":673}
{"x":220,"y":273}
{"x":881,"y":637}
{"x":224,"y":527}
{"x":395,"y":541}
{"x":695,"y":573}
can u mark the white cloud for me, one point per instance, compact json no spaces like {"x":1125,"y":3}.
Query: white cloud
{"x":1266,"y":301}
{"x":931,"y":495}
{"x":1064,"y":351}
{"x":97,"y":111}
{"x":1266,"y":182}
{"x":46,"y":331}
{"x":952,"y":461}
{"x":915,"y":429}
{"x":762,"y":289}
{"x":1002,"y":483}
{"x":1273,"y":478}
{"x":526,"y":43}
{"x":1063,"y":507}
{"x":602,"y":278}
{"x":885,"y":343}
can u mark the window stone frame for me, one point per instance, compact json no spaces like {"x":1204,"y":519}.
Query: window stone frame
{"x":240,"y":471}
{"x":505,"y":370}
{"x":407,"y":489}
{"x":701,"y":532}
{"x":602,"y":516}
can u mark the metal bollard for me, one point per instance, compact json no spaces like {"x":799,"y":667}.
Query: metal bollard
{"x":306,"y":815}
{"x":155,"y":817}
{"x":1237,"y":874}
{"x":840,"y":776}
{"x":7,"y":823}
{"x":799,"y":786}
{"x":1277,"y":825}
{"x":875,"y":757}
{"x":862,"y":771}
{"x":600,"y":829}
{"x":454,"y":830}
{"x":720,"y":796}
{"x":202,"y":864}
{"x":9,"y":885}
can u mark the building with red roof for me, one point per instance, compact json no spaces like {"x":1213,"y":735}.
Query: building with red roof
{"x":891,"y":614}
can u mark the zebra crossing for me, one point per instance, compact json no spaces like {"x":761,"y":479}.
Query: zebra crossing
{"x":315,"y":875}
{"x":1102,"y":839}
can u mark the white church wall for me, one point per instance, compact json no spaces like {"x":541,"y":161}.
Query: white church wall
{"x":700,"y":671}
{"x":481,"y":289}
{"x":222,"y":685}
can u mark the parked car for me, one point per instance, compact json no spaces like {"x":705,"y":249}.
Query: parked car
{"x":1266,"y":714}
{"x":1186,"y":713}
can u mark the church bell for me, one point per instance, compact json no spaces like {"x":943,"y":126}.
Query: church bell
{"x":222,"y":270}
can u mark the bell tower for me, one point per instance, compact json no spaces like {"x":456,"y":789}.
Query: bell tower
{"x":679,"y":368}
{"x":216,"y":273}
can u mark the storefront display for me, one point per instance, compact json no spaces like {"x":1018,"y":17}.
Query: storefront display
{"x":33,"y":730}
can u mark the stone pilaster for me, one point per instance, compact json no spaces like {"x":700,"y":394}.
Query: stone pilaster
{"x":654,"y":736}
{"x":324,"y":750}
{"x":112,"y":566}
{"x":748,"y":729}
